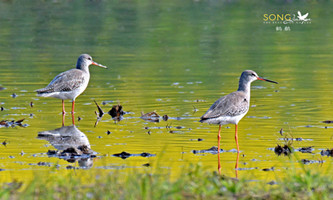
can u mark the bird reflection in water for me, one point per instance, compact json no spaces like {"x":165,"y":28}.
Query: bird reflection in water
{"x":71,"y":144}
{"x":214,"y":150}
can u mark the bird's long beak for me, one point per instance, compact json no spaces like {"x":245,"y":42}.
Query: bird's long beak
{"x":263,"y":79}
{"x":99,"y":65}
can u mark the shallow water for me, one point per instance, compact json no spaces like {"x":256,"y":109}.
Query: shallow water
{"x":173,"y":58}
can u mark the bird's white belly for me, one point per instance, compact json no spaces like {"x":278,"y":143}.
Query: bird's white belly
{"x":69,"y":94}
{"x":223,"y":120}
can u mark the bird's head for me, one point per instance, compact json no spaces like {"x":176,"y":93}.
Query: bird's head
{"x":85,"y":60}
{"x":250,"y":76}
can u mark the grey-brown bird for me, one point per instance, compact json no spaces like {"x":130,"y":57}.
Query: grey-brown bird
{"x":70,"y":84}
{"x":230,"y":109}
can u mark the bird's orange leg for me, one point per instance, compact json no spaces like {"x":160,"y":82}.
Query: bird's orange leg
{"x":236,"y":138}
{"x":63,"y":107}
{"x":73,"y":105}
{"x":218,"y":150}
{"x":236,"y":166}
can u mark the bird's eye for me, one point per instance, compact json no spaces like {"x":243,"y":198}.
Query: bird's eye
{"x":253,"y":74}
{"x":89,"y":58}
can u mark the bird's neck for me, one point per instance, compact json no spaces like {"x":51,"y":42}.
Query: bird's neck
{"x":244,"y":86}
{"x":83,"y":68}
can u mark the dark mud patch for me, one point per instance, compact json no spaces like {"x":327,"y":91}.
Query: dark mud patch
{"x":13,"y":123}
{"x":199,"y":139}
{"x":165,"y":117}
{"x":212,"y":150}
{"x":305,"y":149}
{"x":146,"y":165}
{"x":268,"y":169}
{"x":328,"y":122}
{"x":327,"y":152}
{"x":306,"y":161}
{"x":125,"y":155}
{"x":116,"y":112}
{"x":283,"y":150}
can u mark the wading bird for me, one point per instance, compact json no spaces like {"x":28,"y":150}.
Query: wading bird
{"x":230,"y":109}
{"x":70,"y":84}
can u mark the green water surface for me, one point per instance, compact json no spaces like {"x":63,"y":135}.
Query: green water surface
{"x":175,"y":58}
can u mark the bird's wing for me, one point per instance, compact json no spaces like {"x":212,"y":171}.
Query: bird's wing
{"x":65,"y":81}
{"x":230,"y":105}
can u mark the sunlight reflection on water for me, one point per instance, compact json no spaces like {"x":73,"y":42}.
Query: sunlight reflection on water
{"x":160,"y":64}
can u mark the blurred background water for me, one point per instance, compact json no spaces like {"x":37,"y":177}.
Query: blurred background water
{"x":175,"y":58}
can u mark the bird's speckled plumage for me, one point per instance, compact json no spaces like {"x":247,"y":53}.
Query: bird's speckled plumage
{"x":71,"y":83}
{"x":229,"y":106}
{"x":65,"y":82}
{"x":230,"y":109}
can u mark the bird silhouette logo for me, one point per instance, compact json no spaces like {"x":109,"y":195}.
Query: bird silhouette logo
{"x":302,"y":17}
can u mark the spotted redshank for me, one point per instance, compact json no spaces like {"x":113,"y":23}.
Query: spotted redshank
{"x":70,"y":84}
{"x":230,"y":109}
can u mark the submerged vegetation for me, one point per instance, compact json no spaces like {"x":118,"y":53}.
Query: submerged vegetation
{"x":196,"y":183}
